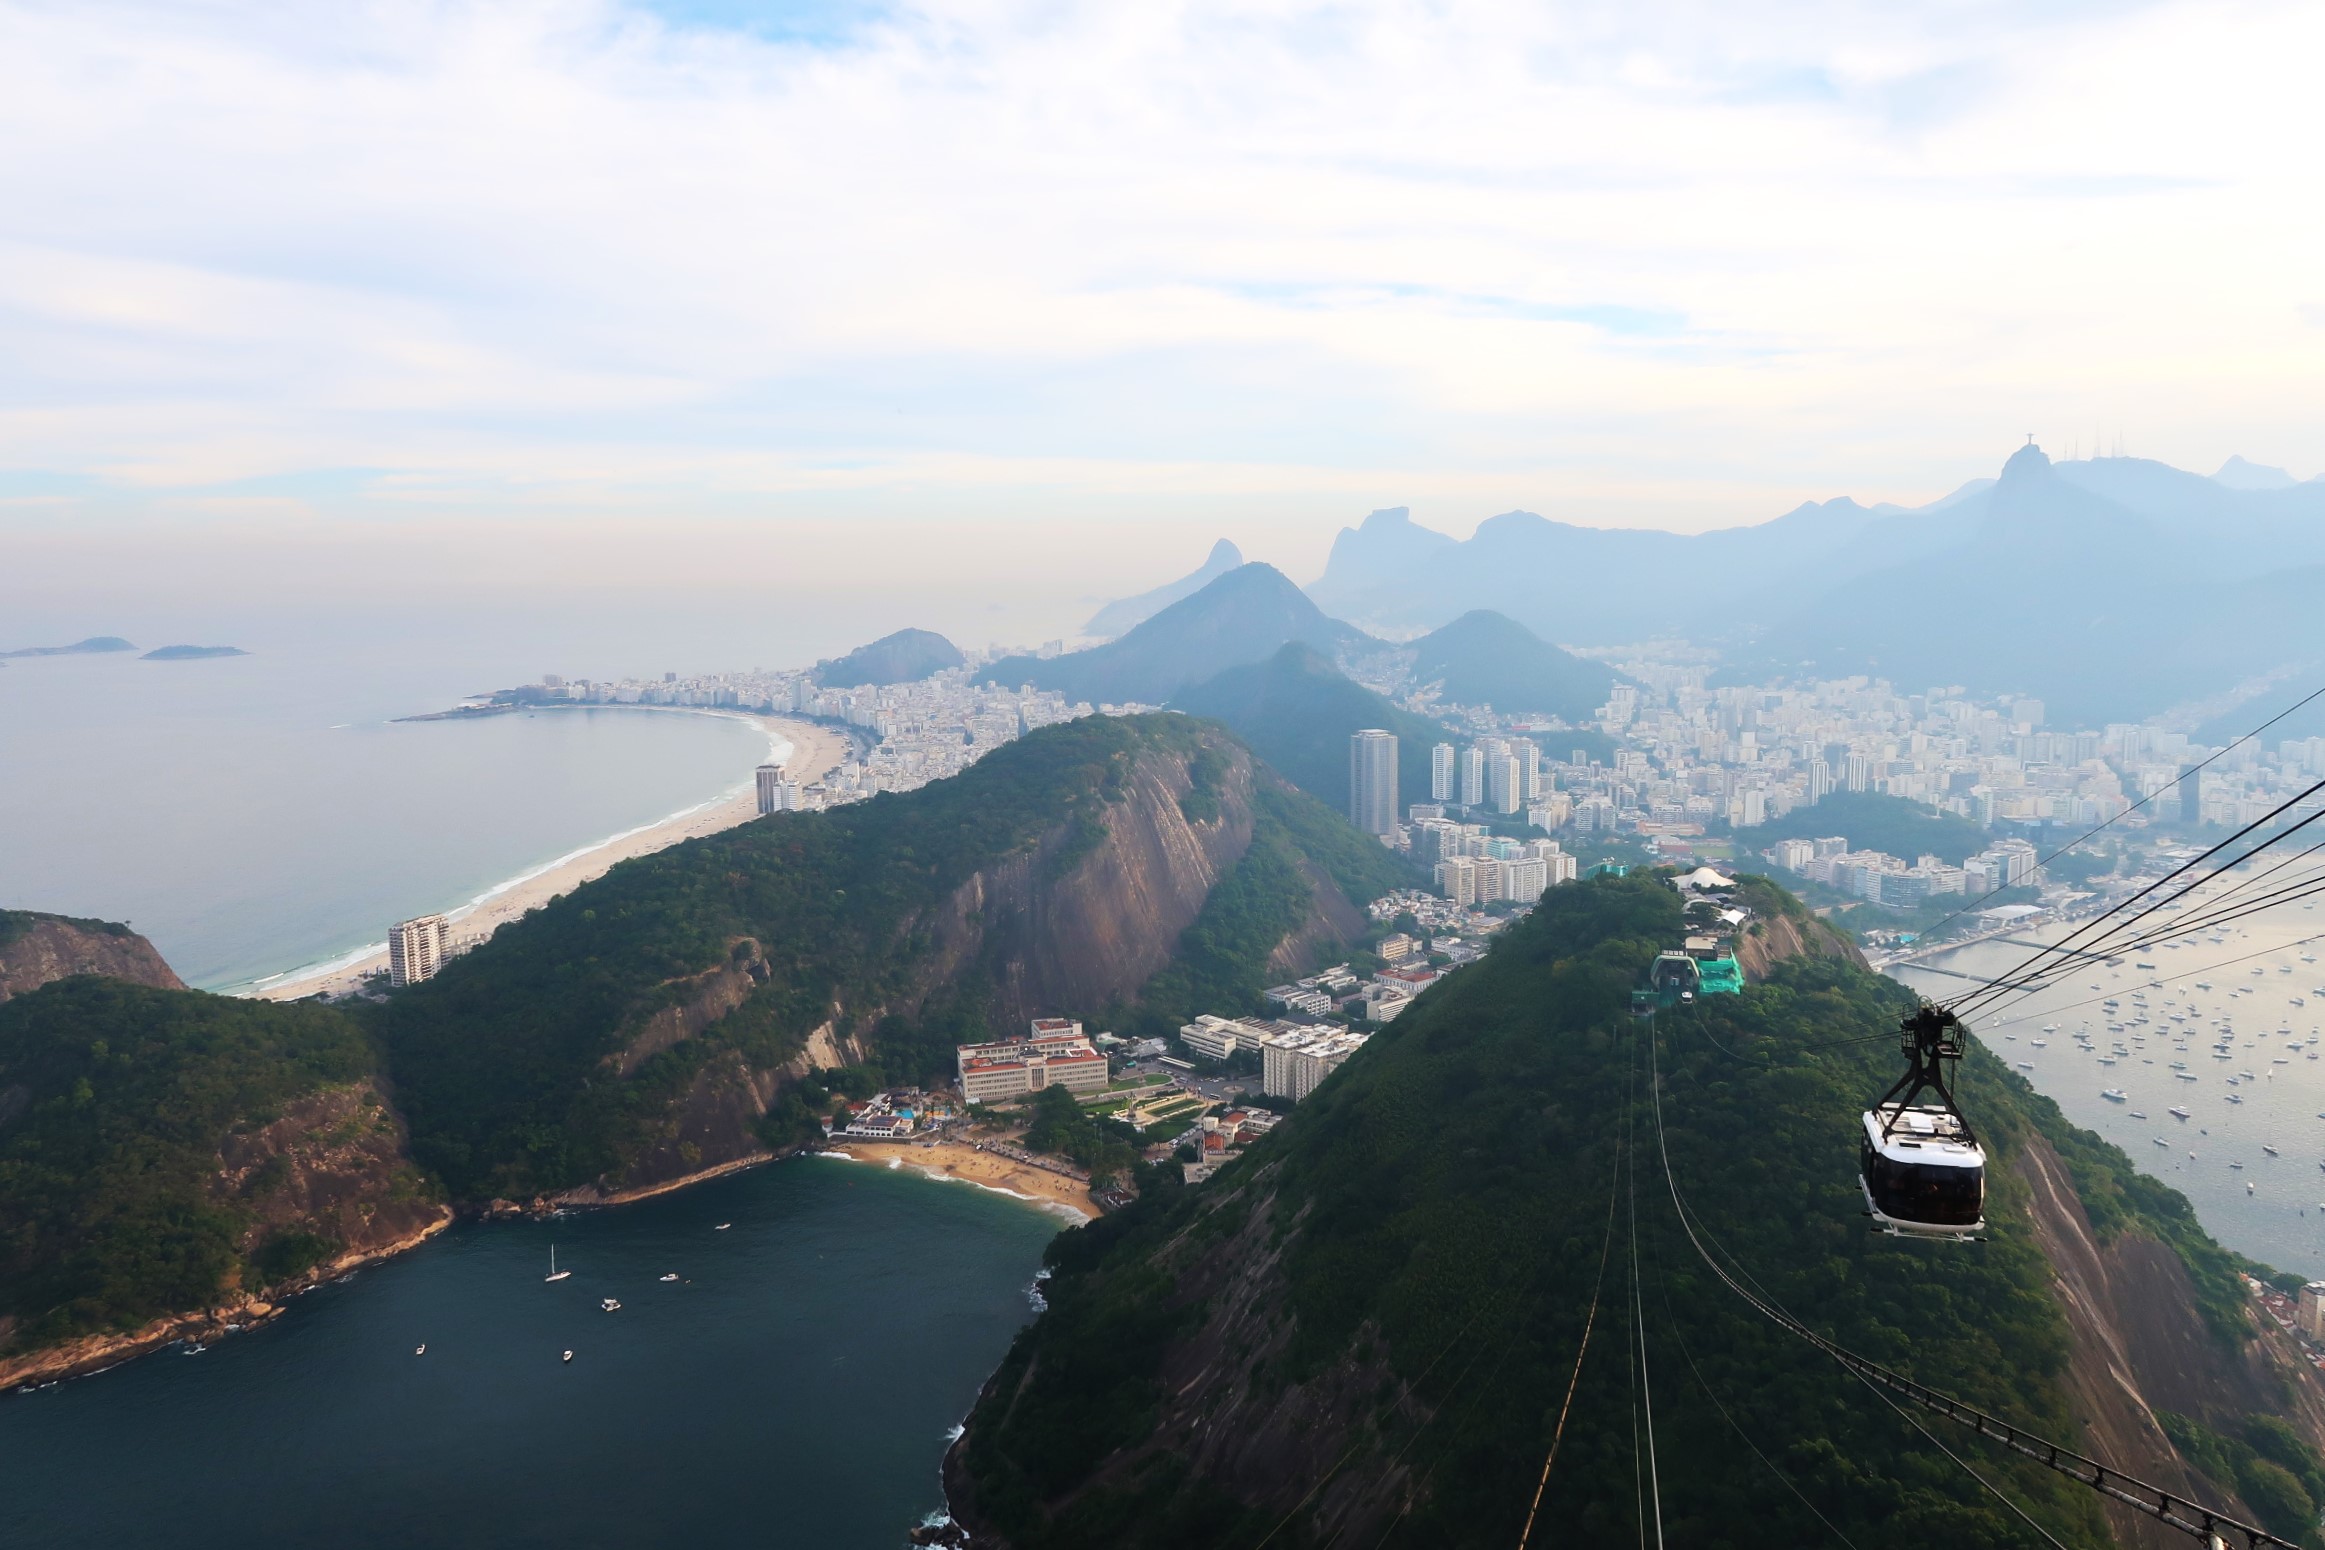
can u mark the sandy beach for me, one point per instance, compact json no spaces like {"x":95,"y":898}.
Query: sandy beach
{"x":957,"y":1160}
{"x":815,"y":749}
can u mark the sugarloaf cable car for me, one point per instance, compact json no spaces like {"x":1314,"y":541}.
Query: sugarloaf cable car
{"x":1922,"y":1169}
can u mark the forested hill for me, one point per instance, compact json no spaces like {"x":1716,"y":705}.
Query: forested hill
{"x":1297,"y":711}
{"x":164,"y":1152}
{"x":1362,"y":1332}
{"x":1129,"y":871}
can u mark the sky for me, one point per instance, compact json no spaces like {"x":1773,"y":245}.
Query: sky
{"x":587,"y":296}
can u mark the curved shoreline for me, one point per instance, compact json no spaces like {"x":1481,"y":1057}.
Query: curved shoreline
{"x":812,"y":749}
{"x":90,"y":1355}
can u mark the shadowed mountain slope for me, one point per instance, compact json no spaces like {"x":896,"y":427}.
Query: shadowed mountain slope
{"x":1485,"y":658}
{"x":1247,"y":615}
{"x":904,"y":657}
{"x":1363,"y":1331}
{"x":1123,"y":613}
{"x":1297,"y":712}
{"x":667,"y":1017}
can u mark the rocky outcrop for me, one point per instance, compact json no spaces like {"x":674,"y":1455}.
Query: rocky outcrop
{"x":331,"y":1169}
{"x":696,"y":1002}
{"x":1333,"y":920}
{"x":331,"y":1164}
{"x":1060,"y":929}
{"x":2140,"y":1345}
{"x":36,"y":949}
{"x":1771,"y":939}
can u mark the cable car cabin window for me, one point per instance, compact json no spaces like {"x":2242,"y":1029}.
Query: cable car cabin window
{"x":1935,"y":1193}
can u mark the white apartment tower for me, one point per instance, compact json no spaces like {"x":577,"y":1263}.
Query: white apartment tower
{"x":1372,"y":781}
{"x":1441,"y":773}
{"x":1473,"y":776}
{"x":1505,"y":783}
{"x":770,"y":789}
{"x":417,"y":949}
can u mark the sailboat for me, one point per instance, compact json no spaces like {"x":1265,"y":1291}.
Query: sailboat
{"x":555,"y":1274}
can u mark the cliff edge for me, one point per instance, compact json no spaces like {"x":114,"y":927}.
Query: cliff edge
{"x":36,"y":949}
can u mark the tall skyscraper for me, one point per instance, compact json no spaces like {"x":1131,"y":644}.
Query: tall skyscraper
{"x":1372,"y":781}
{"x":1505,"y":783}
{"x":1530,"y":764}
{"x":1473,"y":776}
{"x":417,"y":949}
{"x":1860,"y":772}
{"x":1441,"y":773}
{"x":770,"y":789}
{"x":2192,"y":795}
{"x":1820,"y":780}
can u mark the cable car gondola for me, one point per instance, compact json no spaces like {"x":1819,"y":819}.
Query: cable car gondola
{"x":1922,"y":1169}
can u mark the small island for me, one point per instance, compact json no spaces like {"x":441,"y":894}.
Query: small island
{"x":94,"y":645}
{"x":191,"y":653}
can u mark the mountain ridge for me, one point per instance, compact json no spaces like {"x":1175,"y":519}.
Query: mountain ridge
{"x":1245,"y":615}
{"x":1361,"y":1330}
{"x":1124,"y":613}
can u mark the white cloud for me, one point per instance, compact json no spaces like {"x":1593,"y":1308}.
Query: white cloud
{"x":1674,"y":263}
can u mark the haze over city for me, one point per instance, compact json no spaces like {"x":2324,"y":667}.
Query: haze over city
{"x":1017,"y":775}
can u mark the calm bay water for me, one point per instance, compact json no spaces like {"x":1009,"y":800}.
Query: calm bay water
{"x":253,"y":815}
{"x":2270,"y":1092}
{"x":795,"y":1389}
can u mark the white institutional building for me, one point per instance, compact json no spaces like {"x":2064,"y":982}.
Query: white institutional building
{"x":1054,"y":1053}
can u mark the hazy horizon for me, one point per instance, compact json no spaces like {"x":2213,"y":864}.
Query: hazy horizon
{"x":584,"y":294}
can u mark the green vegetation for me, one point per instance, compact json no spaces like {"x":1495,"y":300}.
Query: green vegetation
{"x":500,"y":1060}
{"x":1427,"y":1230}
{"x":16,"y":924}
{"x":1297,"y":712}
{"x":1872,"y":820}
{"x":2262,"y":1460}
{"x":1485,"y":658}
{"x":503,"y":1062}
{"x":1222,"y":962}
{"x":113,"y":1102}
{"x":1061,"y":1127}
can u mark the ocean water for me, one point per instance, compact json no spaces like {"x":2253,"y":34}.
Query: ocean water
{"x":2267,"y":979}
{"x":795,"y":1389}
{"x":254,"y":815}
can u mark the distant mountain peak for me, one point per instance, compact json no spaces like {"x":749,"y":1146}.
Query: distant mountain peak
{"x":2028,"y":463}
{"x":1243,"y":616}
{"x":2239,"y":474}
{"x":1125,"y":613}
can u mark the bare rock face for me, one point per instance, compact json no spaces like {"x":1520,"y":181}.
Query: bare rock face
{"x":1772,"y":940}
{"x":333,"y":1164}
{"x":1082,"y":919}
{"x":2140,"y":1345}
{"x":36,"y":949}
{"x":1077,"y":930}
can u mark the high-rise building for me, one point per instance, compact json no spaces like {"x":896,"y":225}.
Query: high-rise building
{"x":1860,"y":772}
{"x":1505,"y":783}
{"x":417,"y":949}
{"x":1372,"y":781}
{"x":1473,"y":776}
{"x":770,"y":789}
{"x":1529,"y":755}
{"x":1820,"y":780}
{"x":2192,"y":795}
{"x":1441,"y":773}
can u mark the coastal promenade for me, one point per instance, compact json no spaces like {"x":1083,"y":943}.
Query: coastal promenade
{"x":815,"y":749}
